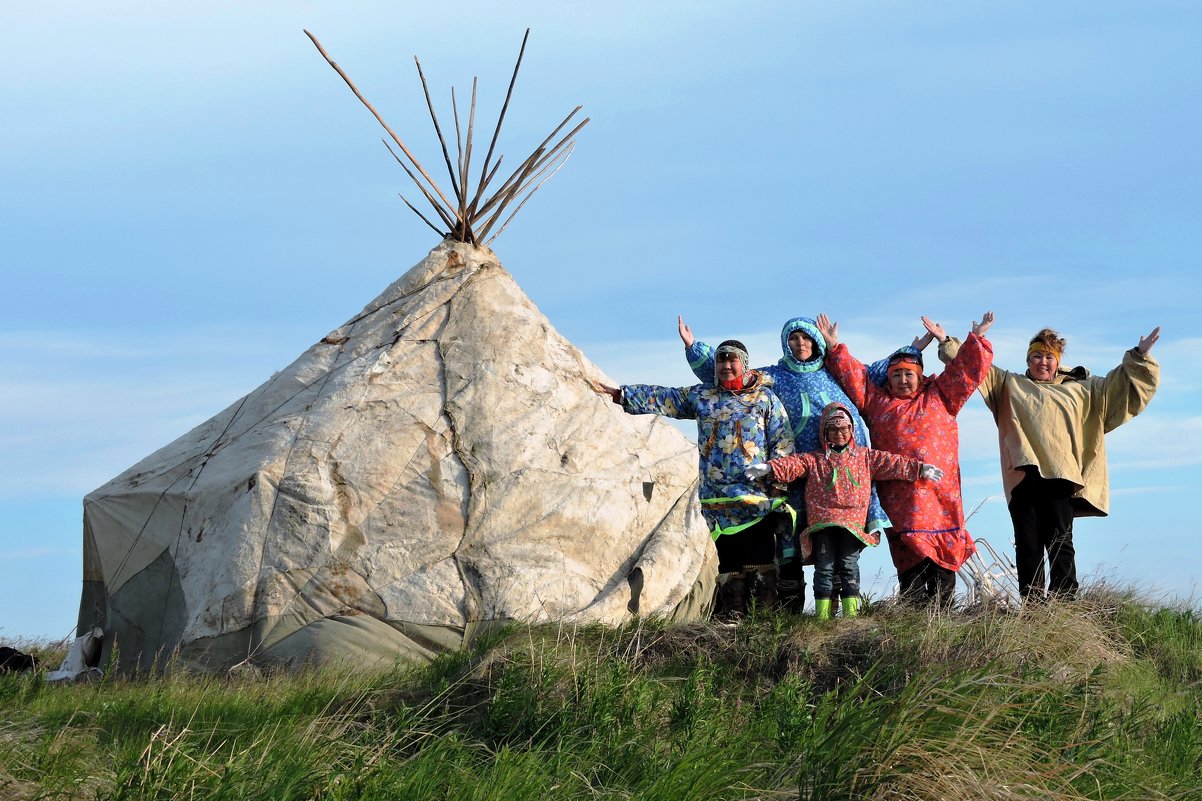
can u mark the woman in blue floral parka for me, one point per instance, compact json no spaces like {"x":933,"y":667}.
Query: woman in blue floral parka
{"x":740,"y":422}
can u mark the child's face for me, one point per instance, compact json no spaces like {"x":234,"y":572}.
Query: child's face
{"x":801,"y":346}
{"x":903,"y":382}
{"x":838,"y":434}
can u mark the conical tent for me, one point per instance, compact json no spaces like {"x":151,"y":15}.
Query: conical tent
{"x":437,"y":463}
{"x":440,"y":462}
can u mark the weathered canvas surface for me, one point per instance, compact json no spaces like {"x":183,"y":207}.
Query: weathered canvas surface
{"x":437,"y":463}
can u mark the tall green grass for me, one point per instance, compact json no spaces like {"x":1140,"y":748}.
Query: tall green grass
{"x":1095,"y":699}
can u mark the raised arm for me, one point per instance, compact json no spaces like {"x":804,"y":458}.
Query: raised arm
{"x":699,"y":355}
{"x":686,"y":333}
{"x":968,"y":367}
{"x":846,"y":369}
{"x":1146,"y":343}
{"x":1128,"y":388}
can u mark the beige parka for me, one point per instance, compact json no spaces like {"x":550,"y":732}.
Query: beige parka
{"x":1058,"y":427}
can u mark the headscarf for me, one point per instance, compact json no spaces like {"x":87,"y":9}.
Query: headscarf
{"x":740,"y":350}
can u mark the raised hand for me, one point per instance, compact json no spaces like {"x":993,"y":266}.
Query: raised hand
{"x":980,"y":328}
{"x":1146,"y":343}
{"x":829,"y":331}
{"x":922,"y":340}
{"x":686,"y":333}
{"x":935,"y":329}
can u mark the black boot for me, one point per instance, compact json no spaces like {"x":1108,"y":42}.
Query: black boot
{"x":732,"y":598}
{"x":762,"y":582}
{"x":791,"y":586}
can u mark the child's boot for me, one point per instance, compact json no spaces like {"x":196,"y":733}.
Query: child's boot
{"x":822,"y":608}
{"x":851,"y":606}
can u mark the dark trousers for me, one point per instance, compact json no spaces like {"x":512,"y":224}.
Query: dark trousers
{"x":836,"y":553}
{"x":927,"y":583}
{"x":1042,"y":512}
{"x":754,"y":545}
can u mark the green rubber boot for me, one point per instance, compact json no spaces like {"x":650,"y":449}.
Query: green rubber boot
{"x":851,"y":607}
{"x":822,"y":608}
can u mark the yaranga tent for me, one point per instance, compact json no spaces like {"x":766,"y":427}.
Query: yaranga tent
{"x":439,"y":462}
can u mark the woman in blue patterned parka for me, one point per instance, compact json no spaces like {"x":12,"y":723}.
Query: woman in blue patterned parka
{"x":740,"y":422}
{"x":803,"y":384}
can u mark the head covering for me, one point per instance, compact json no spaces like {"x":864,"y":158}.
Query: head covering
{"x":739,"y":350}
{"x":810,"y":329}
{"x":905,"y":361}
{"x":836,"y":417}
{"x":837,"y":414}
{"x":1039,"y":346}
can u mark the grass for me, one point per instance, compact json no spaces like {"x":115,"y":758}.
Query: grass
{"x":1096,"y":699}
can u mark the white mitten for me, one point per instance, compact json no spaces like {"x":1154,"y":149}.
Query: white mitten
{"x":930,"y":471}
{"x":758,"y":471}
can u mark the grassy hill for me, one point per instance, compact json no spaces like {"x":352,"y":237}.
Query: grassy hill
{"x":1097,"y":699}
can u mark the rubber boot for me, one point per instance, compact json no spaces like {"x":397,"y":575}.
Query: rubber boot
{"x":732,"y":598}
{"x":761,"y":580}
{"x":822,"y":608}
{"x":851,"y":606}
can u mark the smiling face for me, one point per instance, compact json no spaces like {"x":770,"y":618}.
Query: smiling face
{"x":1042,"y":365}
{"x":801,"y":346}
{"x":903,"y":382}
{"x":838,"y":434}
{"x":728,"y":366}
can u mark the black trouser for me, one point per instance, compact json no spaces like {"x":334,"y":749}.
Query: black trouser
{"x":928,"y":583}
{"x":1042,"y":512}
{"x":754,"y":545}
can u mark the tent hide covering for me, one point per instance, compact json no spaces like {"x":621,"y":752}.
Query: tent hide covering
{"x":437,"y":464}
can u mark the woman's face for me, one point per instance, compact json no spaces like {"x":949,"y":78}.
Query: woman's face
{"x":729,"y":366}
{"x":801,"y":346}
{"x":903,"y":382}
{"x":1043,"y":365}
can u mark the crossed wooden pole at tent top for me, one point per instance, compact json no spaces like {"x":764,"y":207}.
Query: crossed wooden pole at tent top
{"x":472,"y":219}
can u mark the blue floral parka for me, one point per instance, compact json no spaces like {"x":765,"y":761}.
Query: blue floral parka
{"x":735,"y":429}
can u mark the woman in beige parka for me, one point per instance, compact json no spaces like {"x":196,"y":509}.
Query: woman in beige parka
{"x":1051,"y":426}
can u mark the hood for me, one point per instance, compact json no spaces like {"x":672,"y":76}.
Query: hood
{"x":1078,"y":373}
{"x":811,"y":330}
{"x":752,"y":380}
{"x":828,"y":411}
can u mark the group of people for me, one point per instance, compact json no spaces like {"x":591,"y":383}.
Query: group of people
{"x":787,"y":477}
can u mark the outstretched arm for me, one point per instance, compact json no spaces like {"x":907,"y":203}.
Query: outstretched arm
{"x":615,"y":393}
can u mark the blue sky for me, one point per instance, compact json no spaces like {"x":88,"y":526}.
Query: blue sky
{"x":190,"y":197}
